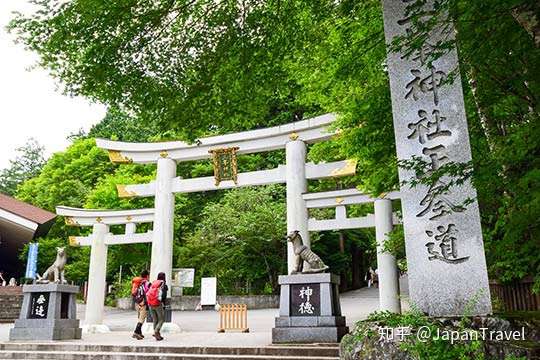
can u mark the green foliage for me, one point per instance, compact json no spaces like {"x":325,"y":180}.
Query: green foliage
{"x":25,"y":166}
{"x":123,"y":290}
{"x":76,"y":268}
{"x":83,"y":176}
{"x":148,"y":58}
{"x":395,"y":244}
{"x":68,"y":176}
{"x":117,"y":125}
{"x":424,"y":341}
{"x":240,"y":239}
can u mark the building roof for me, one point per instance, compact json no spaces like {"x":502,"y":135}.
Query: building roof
{"x":19,"y":223}
{"x":25,"y":210}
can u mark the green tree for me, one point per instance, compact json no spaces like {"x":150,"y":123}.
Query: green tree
{"x":117,"y":125}
{"x":26,"y":165}
{"x":68,"y":176}
{"x":240,"y":239}
{"x":226,"y":74}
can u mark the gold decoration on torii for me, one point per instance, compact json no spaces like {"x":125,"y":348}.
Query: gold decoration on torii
{"x":73,"y":241}
{"x":117,"y":157}
{"x":225,"y":165}
{"x":123,"y":192}
{"x":347,"y":170}
{"x":70,"y":221}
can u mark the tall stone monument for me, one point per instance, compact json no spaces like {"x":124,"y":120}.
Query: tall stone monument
{"x":445,"y":251}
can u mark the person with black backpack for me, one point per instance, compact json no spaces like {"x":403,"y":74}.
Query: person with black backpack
{"x":139,"y":287}
{"x":156,"y":299}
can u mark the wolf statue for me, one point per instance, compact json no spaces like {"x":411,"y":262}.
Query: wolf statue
{"x":303,"y":253}
{"x":55,"y":273}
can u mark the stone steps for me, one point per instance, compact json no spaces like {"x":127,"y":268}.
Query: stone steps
{"x":64,"y":351}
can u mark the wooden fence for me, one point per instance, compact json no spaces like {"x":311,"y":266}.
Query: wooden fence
{"x":233,"y":317}
{"x":516,"y":296}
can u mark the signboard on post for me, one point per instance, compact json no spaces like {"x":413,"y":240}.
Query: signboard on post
{"x":183,"y":277}
{"x":208,"y":291}
{"x":31,"y":264}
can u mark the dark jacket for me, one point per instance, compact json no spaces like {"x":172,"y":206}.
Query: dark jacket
{"x":164,"y":291}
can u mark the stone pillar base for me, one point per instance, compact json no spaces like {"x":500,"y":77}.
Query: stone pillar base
{"x":95,"y":329}
{"x":48,"y":313}
{"x":308,"y":335}
{"x":61,"y":331}
{"x":309,"y":310}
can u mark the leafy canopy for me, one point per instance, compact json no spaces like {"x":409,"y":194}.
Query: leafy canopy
{"x":25,"y":166}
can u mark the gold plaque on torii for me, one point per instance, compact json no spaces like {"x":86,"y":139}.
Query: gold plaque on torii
{"x":225,"y":166}
{"x":73,"y":241}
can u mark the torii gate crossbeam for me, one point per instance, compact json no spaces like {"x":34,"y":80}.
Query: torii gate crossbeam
{"x":293,"y":137}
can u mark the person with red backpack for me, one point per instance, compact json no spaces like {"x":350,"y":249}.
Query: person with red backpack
{"x":156,"y":298}
{"x":139,"y":288}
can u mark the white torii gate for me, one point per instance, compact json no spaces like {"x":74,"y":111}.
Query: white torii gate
{"x":382,"y":220}
{"x":99,"y":240}
{"x":293,"y":137}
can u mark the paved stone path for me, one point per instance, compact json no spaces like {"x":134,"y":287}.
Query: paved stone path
{"x":199,"y":328}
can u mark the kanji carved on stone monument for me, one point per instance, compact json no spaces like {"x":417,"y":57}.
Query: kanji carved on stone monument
{"x":442,"y":235}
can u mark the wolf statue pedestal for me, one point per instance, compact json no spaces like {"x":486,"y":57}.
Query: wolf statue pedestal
{"x":309,"y":310}
{"x":48,"y":313}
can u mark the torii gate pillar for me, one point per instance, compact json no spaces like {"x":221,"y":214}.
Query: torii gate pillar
{"x":97,"y":279}
{"x":162,"y":243}
{"x":297,"y":213}
{"x":99,"y":240}
{"x":386,"y":262}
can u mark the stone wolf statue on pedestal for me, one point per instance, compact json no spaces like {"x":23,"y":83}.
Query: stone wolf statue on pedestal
{"x":303,"y":253}
{"x":55,"y":273}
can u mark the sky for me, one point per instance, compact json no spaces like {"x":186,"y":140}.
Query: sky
{"x":30,"y":103}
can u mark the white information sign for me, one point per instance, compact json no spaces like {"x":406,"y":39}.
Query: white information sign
{"x":208,"y":291}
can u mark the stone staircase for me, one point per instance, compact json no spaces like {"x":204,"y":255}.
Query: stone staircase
{"x":10,"y":303}
{"x":79,"y":351}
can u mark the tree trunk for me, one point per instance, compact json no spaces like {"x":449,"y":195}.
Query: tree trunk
{"x":526,"y":16}
{"x":343,"y":286}
{"x":356,"y":265}
{"x":484,"y":121}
